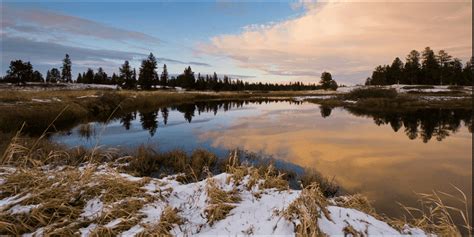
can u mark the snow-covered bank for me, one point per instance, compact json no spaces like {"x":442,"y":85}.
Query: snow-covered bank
{"x":225,"y":204}
{"x":412,"y":88}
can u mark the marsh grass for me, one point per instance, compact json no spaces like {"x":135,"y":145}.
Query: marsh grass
{"x":60,"y":196}
{"x":169,"y":219}
{"x":220,"y":202}
{"x":305,"y":211}
{"x":435,"y":216}
{"x":371,"y":92}
{"x":419,"y":87}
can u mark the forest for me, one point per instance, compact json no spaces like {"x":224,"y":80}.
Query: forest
{"x":147,"y":78}
{"x":425,"y":68}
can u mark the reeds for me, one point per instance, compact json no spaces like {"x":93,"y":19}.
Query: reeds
{"x":436,"y":216}
{"x":305,"y":211}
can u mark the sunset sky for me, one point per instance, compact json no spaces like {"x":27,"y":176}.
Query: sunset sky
{"x":280,"y":41}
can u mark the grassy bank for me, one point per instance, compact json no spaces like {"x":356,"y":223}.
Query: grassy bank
{"x":378,"y":99}
{"x":51,"y":190}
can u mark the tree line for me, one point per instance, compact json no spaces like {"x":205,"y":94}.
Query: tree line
{"x":425,"y":68}
{"x":148,"y":78}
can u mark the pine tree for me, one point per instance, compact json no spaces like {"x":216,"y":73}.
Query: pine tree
{"x":430,"y":67}
{"x":55,"y":76}
{"x":19,"y":72}
{"x":126,"y":76}
{"x":444,"y":60}
{"x":327,"y":82}
{"x":412,"y":67}
{"x":48,"y":76}
{"x":89,"y":77}
{"x":66,"y":75}
{"x":164,"y":76}
{"x":79,"y":78}
{"x":395,"y":72}
{"x":147,"y":73}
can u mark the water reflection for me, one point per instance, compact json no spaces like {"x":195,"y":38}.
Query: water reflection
{"x":424,"y":124}
{"x":384,"y":155}
{"x":421,"y":123}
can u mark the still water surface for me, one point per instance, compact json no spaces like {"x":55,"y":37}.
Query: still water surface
{"x":386,"y":156}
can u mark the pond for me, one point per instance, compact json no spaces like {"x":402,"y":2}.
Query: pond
{"x":386,"y":156}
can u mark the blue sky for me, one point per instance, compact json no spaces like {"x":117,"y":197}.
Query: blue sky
{"x":177,"y":26}
{"x":278,"y":41}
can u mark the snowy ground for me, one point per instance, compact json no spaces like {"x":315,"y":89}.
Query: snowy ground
{"x":409,"y":88}
{"x":259,"y":211}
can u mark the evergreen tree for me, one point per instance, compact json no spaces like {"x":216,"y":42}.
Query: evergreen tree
{"x":187,"y":79}
{"x":444,"y":60}
{"x":395,"y":72}
{"x":89,"y":76}
{"x":48,"y":76}
{"x":456,"y":75}
{"x":430,"y":67}
{"x":468,"y":72}
{"x":100,"y":77}
{"x":164,"y":76}
{"x":126,"y":76}
{"x":147,"y":73}
{"x":37,"y":77}
{"x":55,"y":76}
{"x":327,"y":82}
{"x":66,"y":75}
{"x":412,"y":68}
{"x":79,"y":78}
{"x":19,"y":72}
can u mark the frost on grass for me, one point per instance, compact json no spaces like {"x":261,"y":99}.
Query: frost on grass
{"x":98,"y":201}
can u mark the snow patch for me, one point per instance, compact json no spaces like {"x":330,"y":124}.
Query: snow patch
{"x":93,"y":209}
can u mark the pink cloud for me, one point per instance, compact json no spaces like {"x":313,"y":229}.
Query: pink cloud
{"x":348,"y":38}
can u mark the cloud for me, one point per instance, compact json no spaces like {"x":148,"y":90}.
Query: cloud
{"x":169,"y":60}
{"x":45,"y":55}
{"x":54,"y":25}
{"x":348,"y":38}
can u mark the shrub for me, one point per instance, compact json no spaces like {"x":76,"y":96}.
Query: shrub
{"x":371,"y":92}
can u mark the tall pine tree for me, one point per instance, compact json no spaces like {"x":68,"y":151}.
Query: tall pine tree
{"x":66,"y":75}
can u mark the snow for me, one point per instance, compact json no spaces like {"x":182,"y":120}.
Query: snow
{"x":252,"y":215}
{"x":132,"y":231}
{"x":361,"y":222}
{"x":407,"y":88}
{"x":93,"y":209}
{"x":87,"y":96}
{"x":86,"y":231}
{"x":6,"y":202}
{"x":19,"y":209}
{"x":41,"y":100}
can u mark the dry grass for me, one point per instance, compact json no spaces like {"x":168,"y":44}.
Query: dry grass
{"x":147,"y":162}
{"x":358,"y":202}
{"x":435,"y":216}
{"x":220,"y":202}
{"x":168,"y":220}
{"x":265,"y":177}
{"x":305,"y":211}
{"x":61,"y":195}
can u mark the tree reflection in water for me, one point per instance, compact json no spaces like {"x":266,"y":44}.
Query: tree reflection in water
{"x":420,"y":123}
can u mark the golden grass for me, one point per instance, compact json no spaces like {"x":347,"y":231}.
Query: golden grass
{"x":306,"y":210}
{"x":61,"y":196}
{"x":220,"y":202}
{"x":168,"y":220}
{"x":435,"y":216}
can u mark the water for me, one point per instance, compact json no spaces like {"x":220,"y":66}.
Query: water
{"x":386,"y":156}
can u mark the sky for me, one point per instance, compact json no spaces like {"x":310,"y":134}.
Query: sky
{"x":268,"y":41}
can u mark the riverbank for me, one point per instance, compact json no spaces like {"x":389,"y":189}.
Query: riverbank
{"x":98,"y":192}
{"x":33,"y":109}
